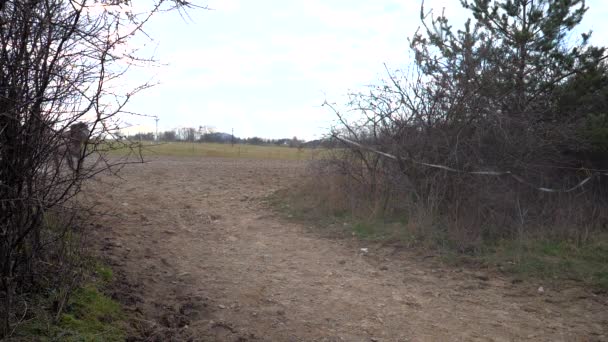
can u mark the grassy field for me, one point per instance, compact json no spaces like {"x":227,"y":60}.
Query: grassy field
{"x":226,"y":150}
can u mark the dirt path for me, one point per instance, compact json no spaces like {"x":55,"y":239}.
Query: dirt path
{"x":215,"y":264}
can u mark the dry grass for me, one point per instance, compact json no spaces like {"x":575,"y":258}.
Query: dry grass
{"x":335,"y":204}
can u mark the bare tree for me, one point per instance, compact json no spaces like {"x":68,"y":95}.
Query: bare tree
{"x":59,"y":104}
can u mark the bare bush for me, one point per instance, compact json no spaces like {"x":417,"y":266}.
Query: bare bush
{"x":479,"y":133}
{"x":59,"y":105}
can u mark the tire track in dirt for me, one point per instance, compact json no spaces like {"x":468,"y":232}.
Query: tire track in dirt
{"x":215,"y":264}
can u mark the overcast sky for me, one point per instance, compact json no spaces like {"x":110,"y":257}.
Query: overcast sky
{"x":265,"y":67}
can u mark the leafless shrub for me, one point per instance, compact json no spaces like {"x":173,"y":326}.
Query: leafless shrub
{"x":59,"y":104}
{"x":476,"y":131}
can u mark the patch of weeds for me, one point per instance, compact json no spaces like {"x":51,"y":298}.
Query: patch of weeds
{"x":89,"y":315}
{"x":379,"y":230}
{"x":365,"y":230}
{"x":528,"y":257}
{"x":301,"y":208}
{"x":104,"y":272}
{"x":554,"y":259}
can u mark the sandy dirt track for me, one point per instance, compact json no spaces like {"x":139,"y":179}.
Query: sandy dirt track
{"x":208,"y":260}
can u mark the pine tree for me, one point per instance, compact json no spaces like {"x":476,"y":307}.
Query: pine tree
{"x":514,"y":54}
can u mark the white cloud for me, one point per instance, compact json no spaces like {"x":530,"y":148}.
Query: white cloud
{"x":264,"y":67}
{"x":224,"y":5}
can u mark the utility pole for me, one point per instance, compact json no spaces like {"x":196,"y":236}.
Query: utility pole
{"x":232,"y":138}
{"x":156,"y":119}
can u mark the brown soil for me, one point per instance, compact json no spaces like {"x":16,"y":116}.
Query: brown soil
{"x":208,"y":260}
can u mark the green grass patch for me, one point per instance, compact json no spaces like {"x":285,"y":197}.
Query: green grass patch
{"x":377,"y":230}
{"x":184,"y":149}
{"x":89,"y":315}
{"x":554,"y":259}
{"x":104,"y":272}
{"x":365,"y":230}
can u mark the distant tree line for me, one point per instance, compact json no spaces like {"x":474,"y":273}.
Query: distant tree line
{"x":208,"y":135}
